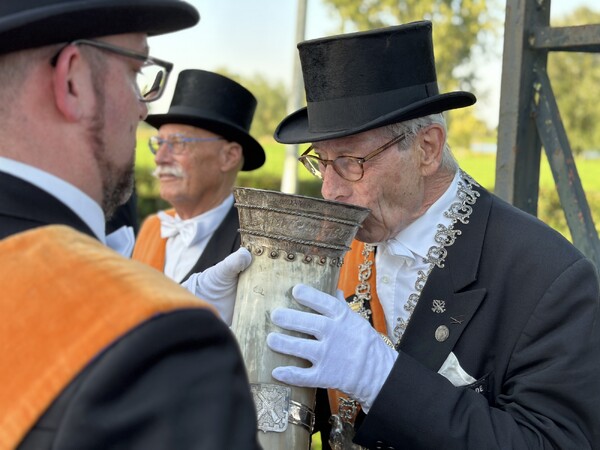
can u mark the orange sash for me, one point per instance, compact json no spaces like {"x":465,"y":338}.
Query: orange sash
{"x":65,"y":297}
{"x":150,"y":248}
{"x":347,"y":283}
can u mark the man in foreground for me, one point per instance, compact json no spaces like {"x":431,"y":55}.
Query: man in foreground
{"x":97,"y":351}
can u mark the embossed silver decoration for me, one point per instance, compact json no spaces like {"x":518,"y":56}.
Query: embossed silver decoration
{"x":272,"y":403}
{"x":293,"y":239}
{"x":342,"y":434}
{"x":347,"y":408}
{"x":459,"y":211}
{"x":441,"y":333}
{"x":439,"y":306}
{"x":275,"y":410}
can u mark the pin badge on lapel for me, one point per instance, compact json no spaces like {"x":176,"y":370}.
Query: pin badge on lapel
{"x":441,"y":333}
{"x":458,"y":320}
{"x":439,"y":306}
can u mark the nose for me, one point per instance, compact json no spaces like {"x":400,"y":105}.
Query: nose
{"x":334,"y":187}
{"x":163,"y":154}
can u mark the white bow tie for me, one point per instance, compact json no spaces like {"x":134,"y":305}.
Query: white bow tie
{"x":172,"y":226}
{"x":121,"y":240}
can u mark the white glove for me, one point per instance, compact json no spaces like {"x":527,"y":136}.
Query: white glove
{"x":348,"y":354}
{"x":218,"y":284}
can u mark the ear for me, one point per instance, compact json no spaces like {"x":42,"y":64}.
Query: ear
{"x":231,"y":154}
{"x":431,"y":146}
{"x":67,"y":83}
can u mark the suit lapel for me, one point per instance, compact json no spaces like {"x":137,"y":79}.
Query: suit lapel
{"x":24,"y":206}
{"x":447,"y":304}
{"x":224,"y":241}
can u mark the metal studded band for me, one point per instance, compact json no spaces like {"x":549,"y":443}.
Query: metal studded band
{"x":301,"y":415}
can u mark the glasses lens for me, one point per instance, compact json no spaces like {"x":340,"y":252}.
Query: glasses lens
{"x":313,"y":165}
{"x":151,"y":81}
{"x":348,"y":168}
{"x":154,"y":143}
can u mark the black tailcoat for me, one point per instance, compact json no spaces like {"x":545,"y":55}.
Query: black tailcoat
{"x":522,"y":311}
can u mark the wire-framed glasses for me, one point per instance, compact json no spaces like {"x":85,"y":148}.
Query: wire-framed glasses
{"x":350,"y":168}
{"x":176,"y":143}
{"x":151,"y":77}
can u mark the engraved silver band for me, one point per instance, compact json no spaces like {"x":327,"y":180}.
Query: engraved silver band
{"x":301,"y":415}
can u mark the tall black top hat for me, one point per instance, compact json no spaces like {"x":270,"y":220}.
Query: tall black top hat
{"x":216,"y":103}
{"x":361,"y":81}
{"x":35,"y":23}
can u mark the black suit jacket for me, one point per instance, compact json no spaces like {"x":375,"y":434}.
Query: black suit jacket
{"x":522,"y":310}
{"x":23,"y":206}
{"x":175,"y":382}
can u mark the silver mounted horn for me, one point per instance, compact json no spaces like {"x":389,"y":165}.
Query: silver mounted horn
{"x":293,"y":239}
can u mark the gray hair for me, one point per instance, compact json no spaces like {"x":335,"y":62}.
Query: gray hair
{"x":412,"y":127}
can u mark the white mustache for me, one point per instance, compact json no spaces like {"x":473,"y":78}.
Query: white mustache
{"x":168,"y":170}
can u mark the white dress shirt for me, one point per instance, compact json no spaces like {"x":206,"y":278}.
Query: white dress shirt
{"x":181,"y":257}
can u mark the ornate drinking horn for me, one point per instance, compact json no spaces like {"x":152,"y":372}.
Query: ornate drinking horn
{"x":293,"y":239}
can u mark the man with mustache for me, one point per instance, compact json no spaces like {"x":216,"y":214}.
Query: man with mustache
{"x":98,"y":351}
{"x":203,"y":141}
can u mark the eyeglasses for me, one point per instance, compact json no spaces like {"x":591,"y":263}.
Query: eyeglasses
{"x":176,"y":143}
{"x":350,"y":168}
{"x":151,"y":77}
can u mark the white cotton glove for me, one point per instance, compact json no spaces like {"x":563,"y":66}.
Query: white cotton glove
{"x":218,"y":284}
{"x":348,"y":354}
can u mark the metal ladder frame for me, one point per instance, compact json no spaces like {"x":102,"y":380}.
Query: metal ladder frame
{"x":530,"y":119}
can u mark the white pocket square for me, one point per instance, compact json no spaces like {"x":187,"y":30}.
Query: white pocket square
{"x":452,"y":371}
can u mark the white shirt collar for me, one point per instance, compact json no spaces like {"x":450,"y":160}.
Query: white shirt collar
{"x":195,"y":229}
{"x":83,"y":205}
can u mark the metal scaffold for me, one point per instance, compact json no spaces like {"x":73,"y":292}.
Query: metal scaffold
{"x":530,"y":119}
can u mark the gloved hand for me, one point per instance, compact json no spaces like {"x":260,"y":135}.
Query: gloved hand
{"x":348,"y":354}
{"x":218,"y":284}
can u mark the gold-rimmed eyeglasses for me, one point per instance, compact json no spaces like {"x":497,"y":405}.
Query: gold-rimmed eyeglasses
{"x":151,"y":77}
{"x":350,"y":168}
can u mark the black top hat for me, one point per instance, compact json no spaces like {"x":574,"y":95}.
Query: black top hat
{"x":216,"y":103}
{"x":35,"y":23}
{"x":361,"y":81}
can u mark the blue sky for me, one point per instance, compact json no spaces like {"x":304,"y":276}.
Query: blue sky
{"x":259,"y":37}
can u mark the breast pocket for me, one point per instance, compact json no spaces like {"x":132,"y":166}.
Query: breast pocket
{"x":483,"y":386}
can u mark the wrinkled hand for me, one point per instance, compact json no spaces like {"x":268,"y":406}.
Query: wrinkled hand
{"x":348,"y":354}
{"x":218,"y":284}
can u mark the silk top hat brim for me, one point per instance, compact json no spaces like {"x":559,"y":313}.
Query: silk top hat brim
{"x":361,"y":81}
{"x":35,"y":23}
{"x":218,"y":104}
